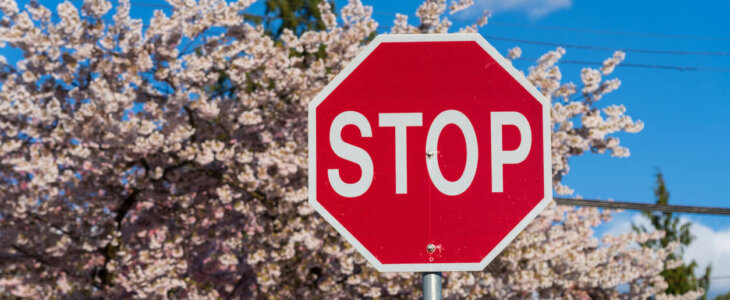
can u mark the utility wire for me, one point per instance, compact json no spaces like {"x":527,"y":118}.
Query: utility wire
{"x":645,"y":206}
{"x":610,"y":32}
{"x":589,"y":30}
{"x":635,"y":65}
{"x":588,"y":47}
{"x":597,"y":63}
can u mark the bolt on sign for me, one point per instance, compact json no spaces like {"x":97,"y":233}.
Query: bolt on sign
{"x":429,"y":153}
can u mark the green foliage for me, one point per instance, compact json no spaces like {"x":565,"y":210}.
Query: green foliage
{"x":682,"y":279}
{"x":297,"y":15}
{"x":723,"y":297}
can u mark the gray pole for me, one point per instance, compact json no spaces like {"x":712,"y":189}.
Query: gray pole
{"x":432,"y":286}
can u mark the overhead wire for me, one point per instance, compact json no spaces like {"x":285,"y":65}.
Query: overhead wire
{"x":589,"y":47}
{"x":593,"y":31}
{"x":611,"y":32}
{"x":648,"y":208}
{"x":644,"y":206}
{"x":598,"y":63}
{"x":635,"y":65}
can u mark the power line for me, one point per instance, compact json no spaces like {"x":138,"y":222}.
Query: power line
{"x":588,"y":47}
{"x":623,"y":64}
{"x":590,"y":30}
{"x":635,"y":65}
{"x":610,"y":32}
{"x":645,"y":206}
{"x":583,"y":62}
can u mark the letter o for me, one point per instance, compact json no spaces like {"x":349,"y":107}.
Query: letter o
{"x":452,"y":188}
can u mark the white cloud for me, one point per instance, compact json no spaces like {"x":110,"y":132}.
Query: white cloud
{"x":533,"y":8}
{"x":622,"y":223}
{"x":709,"y":246}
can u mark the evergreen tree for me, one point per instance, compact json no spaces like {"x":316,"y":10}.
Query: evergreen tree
{"x":297,"y":15}
{"x":681,"y":279}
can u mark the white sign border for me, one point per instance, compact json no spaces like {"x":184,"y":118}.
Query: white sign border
{"x":428,"y":267}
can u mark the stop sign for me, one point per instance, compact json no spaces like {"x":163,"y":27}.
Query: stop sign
{"x":429,"y":153}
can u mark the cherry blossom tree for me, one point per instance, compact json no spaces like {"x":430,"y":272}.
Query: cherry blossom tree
{"x":168,"y":158}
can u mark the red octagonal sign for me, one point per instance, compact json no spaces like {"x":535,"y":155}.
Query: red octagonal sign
{"x":429,"y":152}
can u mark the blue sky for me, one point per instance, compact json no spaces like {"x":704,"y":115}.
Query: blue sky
{"x":687,"y":113}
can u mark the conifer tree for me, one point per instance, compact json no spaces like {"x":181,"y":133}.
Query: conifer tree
{"x":297,"y":15}
{"x":681,"y":279}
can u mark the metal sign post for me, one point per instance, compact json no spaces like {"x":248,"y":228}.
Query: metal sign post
{"x":432,"y":286}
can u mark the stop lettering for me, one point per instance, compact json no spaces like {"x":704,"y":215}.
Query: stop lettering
{"x":400,"y":122}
